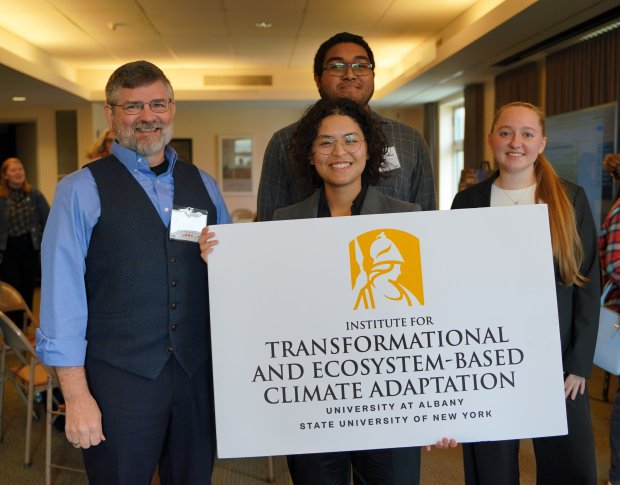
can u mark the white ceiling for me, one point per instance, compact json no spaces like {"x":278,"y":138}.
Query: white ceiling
{"x":57,"y":51}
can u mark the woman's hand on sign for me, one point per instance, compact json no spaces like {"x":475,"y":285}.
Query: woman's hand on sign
{"x":443,"y":444}
{"x":574,"y":384}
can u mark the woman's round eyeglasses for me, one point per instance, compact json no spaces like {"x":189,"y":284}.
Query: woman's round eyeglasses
{"x":327,"y":144}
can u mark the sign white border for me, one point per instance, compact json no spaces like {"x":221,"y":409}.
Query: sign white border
{"x":278,"y":290}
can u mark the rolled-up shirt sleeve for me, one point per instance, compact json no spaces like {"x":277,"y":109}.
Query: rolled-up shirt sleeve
{"x":61,"y":338}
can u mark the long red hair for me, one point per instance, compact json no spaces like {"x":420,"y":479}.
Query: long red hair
{"x":4,"y":184}
{"x":565,"y":239}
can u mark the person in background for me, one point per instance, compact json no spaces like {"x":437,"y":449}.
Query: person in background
{"x":23,"y":214}
{"x":609,"y":248}
{"x":102,"y":146}
{"x":344,"y":67}
{"x":124,"y":306}
{"x":338,"y":149}
{"x":525,"y":176}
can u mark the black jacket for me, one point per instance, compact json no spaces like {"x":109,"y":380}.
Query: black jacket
{"x":578,"y":307}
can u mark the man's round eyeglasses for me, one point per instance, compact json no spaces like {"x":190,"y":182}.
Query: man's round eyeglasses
{"x":340,"y":68}
{"x":327,"y":145}
{"x":136,"y":107}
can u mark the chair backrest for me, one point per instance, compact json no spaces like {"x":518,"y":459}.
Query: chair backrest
{"x":245,"y":215}
{"x":15,"y":338}
{"x":11,"y":300}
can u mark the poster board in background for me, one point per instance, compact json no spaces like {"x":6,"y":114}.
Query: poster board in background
{"x":577,"y":142}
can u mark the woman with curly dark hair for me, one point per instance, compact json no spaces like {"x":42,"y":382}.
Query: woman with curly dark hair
{"x":339,"y":150}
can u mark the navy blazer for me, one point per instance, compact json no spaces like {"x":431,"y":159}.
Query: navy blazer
{"x":374,"y":203}
{"x":578,"y":307}
{"x":39,"y":210}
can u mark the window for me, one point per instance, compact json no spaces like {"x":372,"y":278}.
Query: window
{"x":451,"y":155}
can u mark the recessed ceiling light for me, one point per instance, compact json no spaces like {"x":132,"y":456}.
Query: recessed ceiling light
{"x":18,"y":98}
{"x":263,"y":25}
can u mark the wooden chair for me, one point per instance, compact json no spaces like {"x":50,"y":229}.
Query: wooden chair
{"x":30,"y":376}
{"x":270,"y":475}
{"x":12,"y":301}
{"x":242,"y":215}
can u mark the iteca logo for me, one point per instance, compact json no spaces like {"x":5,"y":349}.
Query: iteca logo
{"x":386,"y":267}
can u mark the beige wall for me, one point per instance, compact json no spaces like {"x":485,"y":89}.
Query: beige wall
{"x":204,"y":122}
{"x":45,"y":120}
{"x":411,"y":115}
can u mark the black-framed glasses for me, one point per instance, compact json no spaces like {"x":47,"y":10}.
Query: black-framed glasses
{"x":340,"y":68}
{"x":136,"y":107}
{"x":327,"y":144}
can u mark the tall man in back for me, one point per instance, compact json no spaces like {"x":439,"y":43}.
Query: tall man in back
{"x":124,"y":310}
{"x":344,"y":68}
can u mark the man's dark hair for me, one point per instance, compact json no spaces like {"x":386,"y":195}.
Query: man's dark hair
{"x":134,"y":75}
{"x":341,"y":38}
{"x":307,"y":129}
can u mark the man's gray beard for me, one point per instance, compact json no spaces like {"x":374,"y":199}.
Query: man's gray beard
{"x":146,"y":147}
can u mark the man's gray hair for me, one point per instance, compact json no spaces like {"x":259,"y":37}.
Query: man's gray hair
{"x":134,"y":75}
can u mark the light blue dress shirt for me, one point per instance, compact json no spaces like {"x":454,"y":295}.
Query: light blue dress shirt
{"x":61,"y":338}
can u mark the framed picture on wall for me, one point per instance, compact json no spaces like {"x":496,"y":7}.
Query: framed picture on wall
{"x":183,"y":147}
{"x":236,"y":156}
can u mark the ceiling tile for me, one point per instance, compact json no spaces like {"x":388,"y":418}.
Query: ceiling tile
{"x":191,"y":21}
{"x":262,"y":45}
{"x":244,"y":23}
{"x":265,"y":5}
{"x":39,"y":27}
{"x":265,"y":61}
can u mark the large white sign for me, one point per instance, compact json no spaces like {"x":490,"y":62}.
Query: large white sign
{"x":385,"y":331}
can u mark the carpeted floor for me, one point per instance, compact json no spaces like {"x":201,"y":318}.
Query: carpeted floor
{"x":439,"y":467}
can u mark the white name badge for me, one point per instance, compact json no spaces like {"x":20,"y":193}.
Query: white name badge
{"x":187,"y":223}
{"x":391,"y":160}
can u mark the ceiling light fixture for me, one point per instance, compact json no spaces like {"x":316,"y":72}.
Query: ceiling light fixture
{"x":450,"y":78}
{"x":263,"y":25}
{"x":18,"y":99}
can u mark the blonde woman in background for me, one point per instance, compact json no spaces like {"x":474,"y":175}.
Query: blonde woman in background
{"x":102,"y":146}
{"x":609,"y":249}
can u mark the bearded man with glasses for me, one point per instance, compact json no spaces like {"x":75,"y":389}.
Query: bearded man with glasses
{"x":124,"y":305}
{"x":344,"y":68}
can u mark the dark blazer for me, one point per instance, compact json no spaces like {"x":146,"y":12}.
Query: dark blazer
{"x":578,"y":307}
{"x":374,"y":203}
{"x":38,"y":217}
